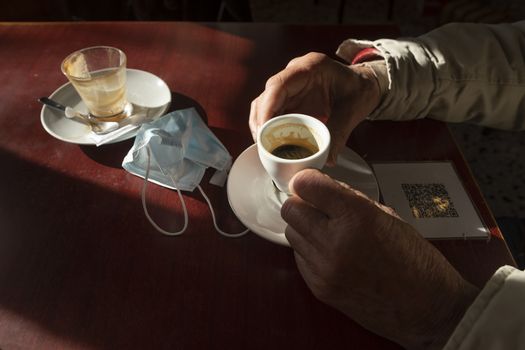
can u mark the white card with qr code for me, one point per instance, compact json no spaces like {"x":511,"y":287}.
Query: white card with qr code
{"x":430,"y":197}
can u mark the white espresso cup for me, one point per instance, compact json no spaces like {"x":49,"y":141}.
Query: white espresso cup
{"x":290,"y":143}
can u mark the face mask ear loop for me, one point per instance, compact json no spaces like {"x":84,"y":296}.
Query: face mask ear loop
{"x":230,"y":235}
{"x":143,"y":196}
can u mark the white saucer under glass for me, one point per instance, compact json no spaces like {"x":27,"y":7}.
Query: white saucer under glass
{"x":144,"y":90}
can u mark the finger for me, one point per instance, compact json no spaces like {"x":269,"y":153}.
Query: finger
{"x":270,"y":103}
{"x":279,"y":90}
{"x":310,"y":222}
{"x":303,"y":266}
{"x":252,"y":122}
{"x":321,"y":191}
{"x":307,"y":60}
{"x":360,"y":194}
{"x":341,"y":123}
{"x":308,"y":267}
{"x":298,"y":243}
{"x":389,"y":211}
{"x":360,"y":98}
{"x":296,"y":61}
{"x":258,"y":118}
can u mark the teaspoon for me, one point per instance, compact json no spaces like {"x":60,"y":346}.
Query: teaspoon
{"x":98,"y":127}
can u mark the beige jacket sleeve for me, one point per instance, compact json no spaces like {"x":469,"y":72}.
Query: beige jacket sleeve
{"x":456,"y":73}
{"x":496,"y":319}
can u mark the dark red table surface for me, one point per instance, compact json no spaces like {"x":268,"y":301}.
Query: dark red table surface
{"x":82,"y":268}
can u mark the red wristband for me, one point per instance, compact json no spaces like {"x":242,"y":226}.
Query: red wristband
{"x":368,"y":54}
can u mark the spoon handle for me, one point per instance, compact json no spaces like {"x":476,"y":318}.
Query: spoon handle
{"x":51,"y":103}
{"x":69,"y":112}
{"x":97,"y":127}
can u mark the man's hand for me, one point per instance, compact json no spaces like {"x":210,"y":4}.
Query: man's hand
{"x":315,"y":84}
{"x":359,"y":257}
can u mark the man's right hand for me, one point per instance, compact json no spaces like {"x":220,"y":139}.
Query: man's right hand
{"x":361,"y":258}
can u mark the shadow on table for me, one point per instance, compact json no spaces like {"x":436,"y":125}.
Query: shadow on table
{"x":82,"y":263}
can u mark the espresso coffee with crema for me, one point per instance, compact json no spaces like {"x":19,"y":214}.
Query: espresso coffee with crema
{"x":294,"y":151}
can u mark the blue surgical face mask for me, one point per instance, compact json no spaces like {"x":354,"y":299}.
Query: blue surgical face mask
{"x":175,"y":151}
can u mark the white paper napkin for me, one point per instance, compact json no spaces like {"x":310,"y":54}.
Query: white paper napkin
{"x":100,"y":140}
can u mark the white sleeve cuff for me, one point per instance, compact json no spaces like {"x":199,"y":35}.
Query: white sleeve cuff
{"x":496,"y":319}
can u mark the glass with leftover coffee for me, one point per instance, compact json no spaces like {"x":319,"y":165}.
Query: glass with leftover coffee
{"x":98,"y":74}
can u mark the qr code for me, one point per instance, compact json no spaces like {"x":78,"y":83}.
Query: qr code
{"x":429,"y":201}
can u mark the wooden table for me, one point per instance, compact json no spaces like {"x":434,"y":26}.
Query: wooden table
{"x":82,"y":268}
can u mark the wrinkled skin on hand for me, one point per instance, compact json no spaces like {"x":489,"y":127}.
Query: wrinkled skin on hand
{"x":359,"y":257}
{"x":316,"y":85}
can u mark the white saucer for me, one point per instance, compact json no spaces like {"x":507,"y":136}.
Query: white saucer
{"x":257,"y":203}
{"x":143,"y":89}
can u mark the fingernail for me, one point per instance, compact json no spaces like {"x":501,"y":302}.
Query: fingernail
{"x":254,"y":134}
{"x":290,"y":185}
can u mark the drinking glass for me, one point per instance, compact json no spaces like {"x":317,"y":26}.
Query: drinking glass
{"x":98,"y":74}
